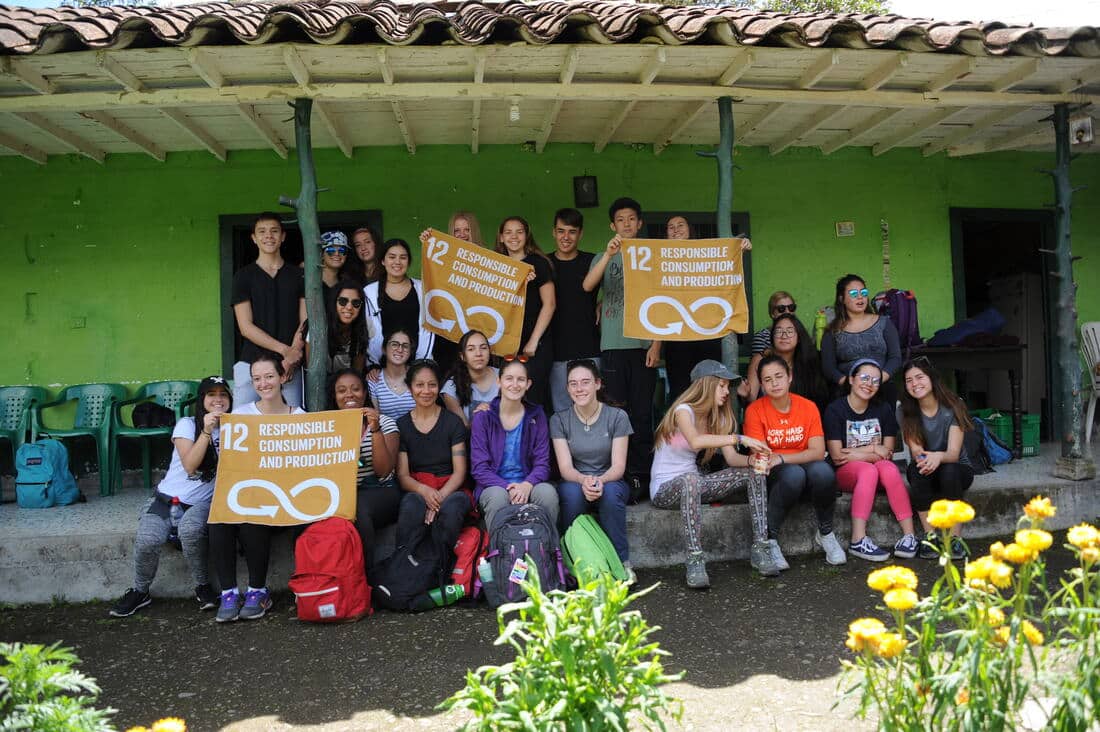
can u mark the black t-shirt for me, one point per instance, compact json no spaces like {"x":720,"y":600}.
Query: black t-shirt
{"x":852,"y":429}
{"x":275,"y":302}
{"x":400,"y":314}
{"x":543,"y":273}
{"x":431,"y":452}
{"x":573,"y":328}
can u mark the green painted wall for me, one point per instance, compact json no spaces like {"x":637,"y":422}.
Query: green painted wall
{"x":122,"y":258}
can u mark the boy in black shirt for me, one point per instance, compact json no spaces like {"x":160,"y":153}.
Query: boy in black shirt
{"x":573,"y":330}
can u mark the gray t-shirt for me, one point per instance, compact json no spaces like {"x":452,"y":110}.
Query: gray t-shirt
{"x":937,"y":429}
{"x":591,"y":450}
{"x":477,"y":396}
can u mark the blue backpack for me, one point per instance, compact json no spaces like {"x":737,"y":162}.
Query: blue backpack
{"x":43,"y":479}
{"x":997,"y":451}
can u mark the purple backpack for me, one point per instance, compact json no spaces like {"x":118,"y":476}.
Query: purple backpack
{"x":901,"y":307}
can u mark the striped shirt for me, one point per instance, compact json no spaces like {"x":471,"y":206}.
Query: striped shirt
{"x":394,"y":406}
{"x":366,"y":450}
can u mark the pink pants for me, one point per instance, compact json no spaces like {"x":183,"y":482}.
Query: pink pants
{"x":862,"y":481}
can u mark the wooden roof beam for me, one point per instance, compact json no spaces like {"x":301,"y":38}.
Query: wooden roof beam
{"x":741,"y":63}
{"x":204,"y":66}
{"x":384,"y":65}
{"x":62,"y":135}
{"x":403,"y":125}
{"x":24,"y":74}
{"x":263,"y":128}
{"x":956,"y":138}
{"x":1088,"y":76}
{"x":120,"y":74}
{"x":192,"y":128}
{"x":760,"y":120}
{"x":28,"y":151}
{"x":127,"y":133}
{"x":884,"y":72}
{"x":816,"y":71}
{"x":1005,"y":141}
{"x":480,"y":60}
{"x":900,"y":138}
{"x":568,"y":70}
{"x":955,"y":72}
{"x":674,"y":130}
{"x":865,"y":127}
{"x":1026,"y":68}
{"x":648,"y":73}
{"x":816,"y":121}
{"x":297,"y":66}
{"x":324,"y":112}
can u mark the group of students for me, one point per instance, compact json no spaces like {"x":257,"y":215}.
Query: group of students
{"x":438,"y":446}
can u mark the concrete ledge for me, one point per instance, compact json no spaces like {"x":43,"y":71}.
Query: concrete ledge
{"x":85,"y":552}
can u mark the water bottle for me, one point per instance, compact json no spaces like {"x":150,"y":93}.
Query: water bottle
{"x":820,"y":324}
{"x":454,"y":593}
{"x":175,"y":513}
{"x":485,"y":572}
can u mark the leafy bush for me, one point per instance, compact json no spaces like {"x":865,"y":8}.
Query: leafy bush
{"x":41,"y":690}
{"x":583,"y":662}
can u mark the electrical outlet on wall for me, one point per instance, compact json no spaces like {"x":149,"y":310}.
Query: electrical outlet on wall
{"x":78,"y":322}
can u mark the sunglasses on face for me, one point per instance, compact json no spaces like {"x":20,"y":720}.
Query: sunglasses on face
{"x":336,"y":251}
{"x":345,"y":301}
{"x":868,"y":379}
{"x":521,"y":357}
{"x":780,"y":309}
{"x":859,"y":293}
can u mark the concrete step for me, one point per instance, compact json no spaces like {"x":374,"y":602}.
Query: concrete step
{"x":85,"y":552}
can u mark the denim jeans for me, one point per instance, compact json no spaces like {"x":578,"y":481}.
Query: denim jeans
{"x":611,"y":507}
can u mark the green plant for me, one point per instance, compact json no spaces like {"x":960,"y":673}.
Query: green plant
{"x":583,"y":662}
{"x":41,"y":690}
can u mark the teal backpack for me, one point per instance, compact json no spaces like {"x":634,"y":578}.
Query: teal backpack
{"x":587,"y":549}
{"x":43,"y":479}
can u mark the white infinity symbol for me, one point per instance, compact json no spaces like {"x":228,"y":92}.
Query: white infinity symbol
{"x":677,"y":326}
{"x":460,"y":316}
{"x":283,"y":499}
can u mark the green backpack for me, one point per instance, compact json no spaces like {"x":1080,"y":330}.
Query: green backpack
{"x":586,"y":548}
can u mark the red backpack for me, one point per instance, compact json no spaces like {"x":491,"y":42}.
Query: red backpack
{"x":329,"y":580}
{"x":472,"y":544}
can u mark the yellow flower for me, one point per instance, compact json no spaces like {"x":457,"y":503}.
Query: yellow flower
{"x":892,"y":577}
{"x":138,"y":729}
{"x":900,"y":598}
{"x":979,"y":569}
{"x":980,"y":585}
{"x":1018,"y":554}
{"x":922,"y":689}
{"x":1040,"y":508}
{"x":963,"y":696}
{"x":1090,"y":555}
{"x":1083,"y":536}
{"x":863,"y":632}
{"x":1034,"y":540}
{"x":944,"y":514}
{"x":994,"y":617}
{"x":1034,"y":635}
{"x":997,"y":550}
{"x":169,"y":724}
{"x":1001,"y":634}
{"x":889,"y":645}
{"x":1000,"y":575}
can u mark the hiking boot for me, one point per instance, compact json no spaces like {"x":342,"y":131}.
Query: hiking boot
{"x":206,"y":597}
{"x":866,"y":548}
{"x":696,"y":566}
{"x":958,"y":549}
{"x":230,"y":607}
{"x":130,"y":603}
{"x":833,"y":553}
{"x":760,"y":557}
{"x":631,"y":578}
{"x":778,"y":559}
{"x":907,"y":547}
{"x":256,"y":604}
{"x":930,"y":547}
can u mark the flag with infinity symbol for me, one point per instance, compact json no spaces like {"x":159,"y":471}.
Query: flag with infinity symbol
{"x":683,"y":290}
{"x":467,"y":287}
{"x":287,"y":470}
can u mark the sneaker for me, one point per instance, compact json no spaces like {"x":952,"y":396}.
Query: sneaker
{"x":958,"y":549}
{"x":760,"y":557}
{"x":206,"y":597}
{"x":230,"y":607}
{"x":778,"y":559}
{"x":631,"y":578}
{"x":696,"y":567}
{"x":930,"y":547}
{"x":130,"y":603}
{"x":256,"y":604}
{"x":866,"y":548}
{"x":833,"y":553}
{"x":907,"y":547}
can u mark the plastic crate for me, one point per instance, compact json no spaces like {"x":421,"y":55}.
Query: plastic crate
{"x":1001,"y":425}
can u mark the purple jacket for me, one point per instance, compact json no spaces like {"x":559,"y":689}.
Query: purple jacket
{"x":487,"y":446}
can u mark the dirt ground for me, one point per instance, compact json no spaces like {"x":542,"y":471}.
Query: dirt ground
{"x":758,"y":654}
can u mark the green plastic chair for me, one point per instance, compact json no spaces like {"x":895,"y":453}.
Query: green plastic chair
{"x":16,"y":405}
{"x":174,"y":395}
{"x":94,"y":403}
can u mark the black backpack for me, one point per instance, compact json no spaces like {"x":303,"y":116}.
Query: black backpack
{"x":402,"y":580}
{"x":518,"y":532}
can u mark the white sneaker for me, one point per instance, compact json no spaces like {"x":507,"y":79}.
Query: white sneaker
{"x":631,"y":578}
{"x":778,"y":559}
{"x":834,"y":553}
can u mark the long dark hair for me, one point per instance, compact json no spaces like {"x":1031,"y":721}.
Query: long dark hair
{"x":529,"y":245}
{"x":840,"y":314}
{"x":354,"y":332}
{"x":208,"y":468}
{"x":912,"y":430}
{"x":807,"y":380}
{"x":460,"y":373}
{"x":380,"y":255}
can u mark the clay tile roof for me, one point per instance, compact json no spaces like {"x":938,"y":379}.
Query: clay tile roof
{"x":52,"y":30}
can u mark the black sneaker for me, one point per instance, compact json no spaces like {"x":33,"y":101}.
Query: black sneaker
{"x":206,"y":597}
{"x":930,"y":547}
{"x":958,"y":549}
{"x":130,"y":603}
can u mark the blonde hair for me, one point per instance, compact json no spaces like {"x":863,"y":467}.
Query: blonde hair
{"x":475,"y":227}
{"x":710,"y":418}
{"x":776,"y":297}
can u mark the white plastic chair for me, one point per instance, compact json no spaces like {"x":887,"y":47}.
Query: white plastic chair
{"x":1090,"y":348}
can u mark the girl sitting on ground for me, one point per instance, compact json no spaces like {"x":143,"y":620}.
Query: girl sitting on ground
{"x":933,"y":422}
{"x":590,"y":440}
{"x":860,"y":434}
{"x":390,"y":392}
{"x":791,"y":427}
{"x":701,"y":419}
{"x":268,"y":377}
{"x":190,"y":478}
{"x":474,"y":382}
{"x":510,"y":450}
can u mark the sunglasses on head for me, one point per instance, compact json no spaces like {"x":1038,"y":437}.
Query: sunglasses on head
{"x":345,"y":301}
{"x":780,"y":309}
{"x":859,"y":293}
{"x":336,"y":251}
{"x":521,"y":357}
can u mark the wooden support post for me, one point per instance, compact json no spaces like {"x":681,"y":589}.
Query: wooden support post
{"x":1073,"y":464}
{"x":306,"y":206}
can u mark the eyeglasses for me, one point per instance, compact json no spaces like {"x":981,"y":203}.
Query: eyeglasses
{"x":785,"y":333}
{"x":786,"y":308}
{"x":868,"y":379}
{"x":521,"y":357}
{"x":336,"y":251}
{"x":399,"y":346}
{"x":859,"y":293}
{"x":345,"y":301}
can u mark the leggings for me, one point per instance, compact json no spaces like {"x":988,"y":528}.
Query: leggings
{"x":690,"y":490}
{"x":862,"y":481}
{"x":949,"y":481}
{"x":787,"y":483}
{"x":376,"y":505}
{"x":255,"y":541}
